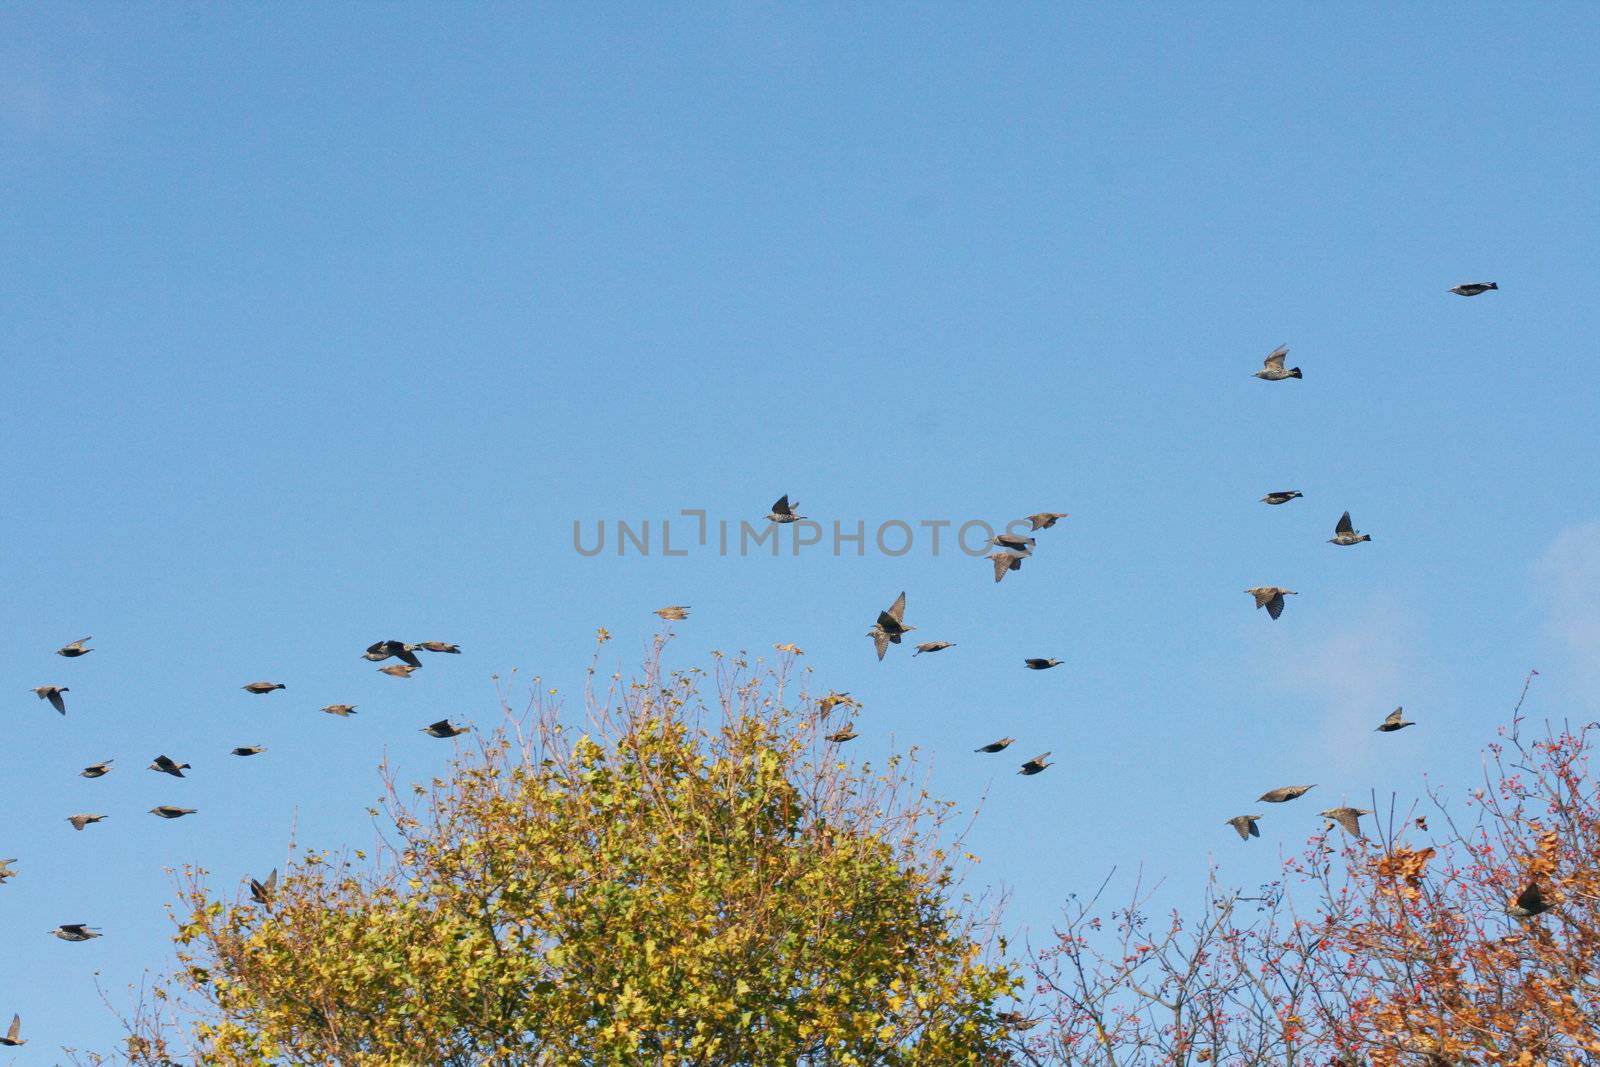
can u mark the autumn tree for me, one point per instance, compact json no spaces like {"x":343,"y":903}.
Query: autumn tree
{"x":1415,"y":945}
{"x":691,"y":874}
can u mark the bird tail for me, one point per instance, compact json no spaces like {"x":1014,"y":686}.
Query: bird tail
{"x":1494,"y":285}
{"x":1294,"y":372}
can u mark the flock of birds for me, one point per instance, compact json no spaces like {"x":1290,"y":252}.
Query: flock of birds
{"x":1012,"y":549}
{"x":260,"y":891}
{"x":889,"y":629}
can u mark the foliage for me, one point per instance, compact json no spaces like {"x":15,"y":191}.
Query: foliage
{"x":676,"y":882}
{"x":1402,"y":951}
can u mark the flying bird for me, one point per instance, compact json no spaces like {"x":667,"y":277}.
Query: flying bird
{"x":1035,"y":765}
{"x":439,"y":646}
{"x":398,"y":671}
{"x":1272,"y":367}
{"x":1394,"y":722}
{"x":1473,"y":288}
{"x":379,"y":651}
{"x":835,"y":699}
{"x":673,"y":612}
{"x":1040,"y":664}
{"x":6,"y":871}
{"x":1271,"y":598}
{"x":933,"y":646}
{"x":1348,"y":819}
{"x":262,"y":687}
{"x":1283,"y":496}
{"x":261,"y":892}
{"x":783,"y":511}
{"x":14,"y":1038}
{"x":340,"y":709}
{"x":166,"y":765}
{"x":248,"y":750}
{"x":1015,"y":542}
{"x":443,"y":728}
{"x":1003,"y":562}
{"x":1246,"y":826}
{"x":1529,"y":902}
{"x":839,"y":737}
{"x":890,"y":626}
{"x":1285,"y":793}
{"x":80,"y":821}
{"x":76,"y":648}
{"x":75,"y":932}
{"x":996,"y":746}
{"x":1344,"y":533}
{"x":52,"y":693}
{"x":167,"y":811}
{"x":97,"y":770}
{"x":1045,"y":519}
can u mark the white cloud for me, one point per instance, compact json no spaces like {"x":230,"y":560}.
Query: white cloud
{"x":1359,"y":672}
{"x":1569,"y":577}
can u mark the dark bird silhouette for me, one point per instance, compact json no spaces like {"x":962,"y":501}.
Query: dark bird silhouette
{"x":1282,"y":496}
{"x":933,"y":646}
{"x":398,"y":670}
{"x":80,"y":821}
{"x":1035,"y":765}
{"x":996,"y":746}
{"x":14,"y":1038}
{"x":1036,"y":664}
{"x":443,"y":728}
{"x":379,"y":651}
{"x":167,"y":811}
{"x":261,"y":892}
{"x":1045,"y":519}
{"x":1003,"y":562}
{"x":1394,"y":722}
{"x":76,"y":648}
{"x":1529,"y":902}
{"x":52,"y":693}
{"x":1271,"y":598}
{"x":262,"y":687}
{"x":1348,"y":818}
{"x":75,"y":932}
{"x":783,"y":511}
{"x":673,"y":612}
{"x":1245,"y":825}
{"x":839,"y":737}
{"x":1014,"y":542}
{"x":1272,"y":367}
{"x":1344,"y":533}
{"x":167,"y":766}
{"x":439,"y":646}
{"x":248,"y":750}
{"x":890,"y":626}
{"x":97,"y":770}
{"x":340,"y":709}
{"x":1285,"y":793}
{"x":1473,"y":288}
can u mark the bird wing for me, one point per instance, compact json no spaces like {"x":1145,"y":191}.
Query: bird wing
{"x":880,"y":641}
{"x":16,"y":1028}
{"x":408,"y":657}
{"x":1530,"y":898}
{"x":1002,"y":563}
{"x":1349,"y":820}
{"x":54,"y":697}
{"x":1275,"y":360}
{"x":897,"y":610}
{"x":1394,"y":716}
{"x":1275,"y":605}
{"x":1344,"y":525}
{"x":782,"y":507}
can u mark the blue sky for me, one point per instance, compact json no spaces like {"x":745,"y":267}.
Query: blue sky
{"x":323,"y":325}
